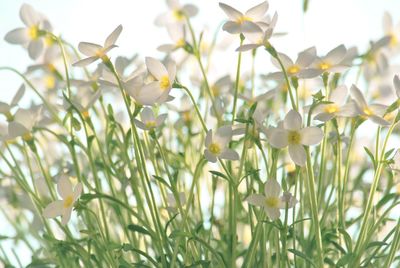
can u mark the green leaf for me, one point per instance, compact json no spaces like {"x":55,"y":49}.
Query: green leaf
{"x":301,"y":255}
{"x":370,"y":156}
{"x":138,"y":228}
{"x":376,"y":244}
{"x":347,"y":240}
{"x":344,"y":260}
{"x":219,"y":174}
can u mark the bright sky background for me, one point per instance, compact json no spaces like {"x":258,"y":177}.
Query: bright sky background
{"x":327,"y":24}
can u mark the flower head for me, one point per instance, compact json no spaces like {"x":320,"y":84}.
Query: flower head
{"x":251,"y":21}
{"x":95,"y":51}
{"x":176,"y":14}
{"x":149,"y":121}
{"x":332,"y":61}
{"x":293,"y":136}
{"x":271,"y":200}
{"x":217,"y":145}
{"x":63,"y":207}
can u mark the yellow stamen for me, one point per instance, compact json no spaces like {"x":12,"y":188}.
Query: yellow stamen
{"x":186,"y":116}
{"x":85,"y":114}
{"x":51,"y":67}
{"x":324,"y":66}
{"x":331,"y":108}
{"x":393,"y":40}
{"x":242,"y":19}
{"x":180,"y":43}
{"x":68,"y":201}
{"x":151,"y":124}
{"x":215,"y":90}
{"x":214,"y":148}
{"x":294,"y":69}
{"x":27,"y":137}
{"x":294,"y":137}
{"x":178,"y":15}
{"x":272,"y":202}
{"x":367,"y":111}
{"x":165,"y":83}
{"x":48,"y":40}
{"x":50,"y":81}
{"x":33,"y":32}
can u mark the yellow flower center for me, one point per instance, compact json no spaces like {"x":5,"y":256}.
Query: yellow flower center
{"x":51,"y":67}
{"x":215,"y":90}
{"x":180,"y":43}
{"x":27,"y":137}
{"x":393,"y":40}
{"x":48,"y":40}
{"x":294,"y":137}
{"x":242,"y":19}
{"x":272,"y":202}
{"x":367,"y":111}
{"x":164,"y":82}
{"x":68,"y":201}
{"x":186,"y":116}
{"x":294,"y":69}
{"x":85,"y":114}
{"x":50,"y":81}
{"x":214,"y":148}
{"x":331,"y":108}
{"x":178,"y":15}
{"x":324,"y":66}
{"x":151,"y":124}
{"x":33,"y":32}
{"x":290,"y":167}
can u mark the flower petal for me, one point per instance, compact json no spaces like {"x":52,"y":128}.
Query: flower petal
{"x":209,"y":156}
{"x":273,"y":213}
{"x":256,"y":199}
{"x":64,"y":187}
{"x":113,"y":37}
{"x":66,"y":215}
{"x":232,"y":13}
{"x":17,"y":36}
{"x":272,"y":188}
{"x":229,"y":154}
{"x":54,"y":209}
{"x":257,"y":12}
{"x":339,"y":95}
{"x":85,"y":62}
{"x":28,"y":15}
{"x":156,"y":68}
{"x":358,"y":96}
{"x":292,"y":120}
{"x":35,"y":48}
{"x":306,"y":57}
{"x":297,"y":154}
{"x":336,"y":55}
{"x":89,"y":49}
{"x":77,"y":191}
{"x":396,"y":82}
{"x":278,"y":138}
{"x":311,"y":135}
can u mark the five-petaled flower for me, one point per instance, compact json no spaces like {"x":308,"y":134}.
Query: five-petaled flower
{"x":63,"y":207}
{"x":217,"y":145}
{"x":149,"y":121}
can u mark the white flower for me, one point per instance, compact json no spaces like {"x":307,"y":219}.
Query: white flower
{"x":5,"y":108}
{"x":373,"y":112}
{"x":337,"y":108}
{"x":95,"y":51}
{"x":84,"y":100}
{"x":157,"y":91}
{"x":63,"y":207}
{"x":217,"y":145}
{"x":251,"y":21}
{"x":177,"y":34}
{"x":23,"y":123}
{"x":176,"y":13}
{"x":332,"y":62}
{"x":396,"y":83}
{"x":391,"y":30}
{"x":292,"y":135}
{"x":271,"y":200}
{"x":29,"y":36}
{"x":259,"y":38}
{"x":149,"y":121}
{"x":299,"y":68}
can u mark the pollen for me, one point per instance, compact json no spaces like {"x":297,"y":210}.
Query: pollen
{"x":68,"y":201}
{"x":393,"y":40}
{"x":178,"y":15}
{"x":294,"y":69}
{"x":331,"y":108}
{"x":242,"y":19}
{"x":33,"y":32}
{"x":294,"y":137}
{"x":27,"y":137}
{"x":85,"y":114}
{"x":180,"y":43}
{"x":367,"y":111}
{"x":324,"y":66}
{"x":165,"y":83}
{"x":272,"y":202}
{"x":49,"y":82}
{"x":48,"y":40}
{"x":150,"y":124}
{"x":214,"y":148}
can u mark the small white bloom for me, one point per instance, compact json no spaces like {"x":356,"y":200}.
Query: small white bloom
{"x":95,"y":51}
{"x":332,"y":62}
{"x":292,"y":135}
{"x":373,"y":112}
{"x":5,"y":108}
{"x":251,"y":21}
{"x":84,"y":100}
{"x":271,"y":200}
{"x":177,"y":34}
{"x":149,"y":121}
{"x":391,"y":30}
{"x":157,"y":91}
{"x":217,"y":145}
{"x":23,"y":123}
{"x":176,"y":13}
{"x":337,"y":108}
{"x":31,"y":35}
{"x":63,"y":207}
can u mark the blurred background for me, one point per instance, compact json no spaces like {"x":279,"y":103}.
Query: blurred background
{"x":326,"y":24}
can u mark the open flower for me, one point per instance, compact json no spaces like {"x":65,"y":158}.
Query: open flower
{"x":63,"y":207}
{"x":337,"y":108}
{"x":157,"y":91}
{"x":84,"y":100}
{"x":271,"y":200}
{"x":292,"y":135}
{"x":332,"y":62}
{"x":95,"y":51}
{"x":23,"y":122}
{"x":251,"y":21}
{"x":374,"y":112}
{"x":5,"y":108}
{"x":176,"y":13}
{"x":31,"y":35}
{"x":177,"y":34}
{"x":391,"y":30}
{"x":259,"y":38}
{"x":149,"y":121}
{"x":299,"y":68}
{"x":217,"y":145}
